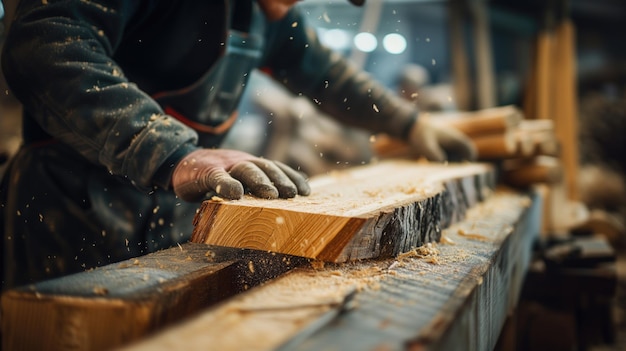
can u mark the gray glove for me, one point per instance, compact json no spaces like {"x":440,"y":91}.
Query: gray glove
{"x":227,"y":172}
{"x":439,"y":144}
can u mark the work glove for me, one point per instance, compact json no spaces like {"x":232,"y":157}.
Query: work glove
{"x":439,"y":144}
{"x":229,"y":172}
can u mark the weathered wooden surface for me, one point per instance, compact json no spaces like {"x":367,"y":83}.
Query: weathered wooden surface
{"x":119,"y":303}
{"x":454,"y":295}
{"x":378,"y":210}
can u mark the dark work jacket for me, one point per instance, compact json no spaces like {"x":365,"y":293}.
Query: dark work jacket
{"x":123,"y":90}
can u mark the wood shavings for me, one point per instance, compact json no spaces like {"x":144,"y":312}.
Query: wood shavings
{"x":428,"y":252}
{"x":216,"y":198}
{"x":100,"y":290}
{"x":372,"y":193}
{"x":446,"y":240}
{"x":317,"y":265}
{"x":474,"y":236}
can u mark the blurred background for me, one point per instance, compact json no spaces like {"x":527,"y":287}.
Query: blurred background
{"x":466,"y":56}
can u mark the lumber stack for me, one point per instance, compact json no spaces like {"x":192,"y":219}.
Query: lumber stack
{"x":527,"y":149}
{"x":378,"y":210}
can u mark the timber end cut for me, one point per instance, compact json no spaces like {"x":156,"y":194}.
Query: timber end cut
{"x":377,"y":210}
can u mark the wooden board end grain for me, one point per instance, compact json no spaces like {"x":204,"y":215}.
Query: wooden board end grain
{"x":378,"y":210}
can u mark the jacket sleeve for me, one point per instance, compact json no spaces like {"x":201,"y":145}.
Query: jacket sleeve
{"x":334,"y":84}
{"x":57,"y":59}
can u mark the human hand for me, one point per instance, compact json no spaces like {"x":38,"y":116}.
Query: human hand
{"x":227,"y":172}
{"x":438,"y":143}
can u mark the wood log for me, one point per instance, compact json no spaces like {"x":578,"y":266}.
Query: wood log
{"x":524,"y":144}
{"x":523,"y":173}
{"x":497,"y":146}
{"x":541,"y":132}
{"x":451,"y":296}
{"x":491,"y":129}
{"x":488,"y":146}
{"x":123,"y":302}
{"x":378,"y":210}
{"x":492,"y":120}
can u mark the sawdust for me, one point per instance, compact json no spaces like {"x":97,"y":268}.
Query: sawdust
{"x":210,"y":256}
{"x":317,"y":265}
{"x":428,"y":252}
{"x":100,"y":290}
{"x":474,"y":236}
{"x":217,"y":199}
{"x":446,"y":240}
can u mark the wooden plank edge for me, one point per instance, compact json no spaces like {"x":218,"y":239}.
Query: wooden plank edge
{"x":386,"y":233}
{"x":122,"y":302}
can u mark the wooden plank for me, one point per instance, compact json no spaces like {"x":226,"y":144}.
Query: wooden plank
{"x":565,"y":104}
{"x":493,"y":120}
{"x":116,"y":304}
{"x":378,"y":210}
{"x":523,"y":173}
{"x":454,"y":295}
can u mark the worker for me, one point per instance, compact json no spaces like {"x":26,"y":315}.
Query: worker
{"x":125,"y":104}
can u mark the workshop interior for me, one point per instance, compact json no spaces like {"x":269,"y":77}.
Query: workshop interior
{"x":538,"y":86}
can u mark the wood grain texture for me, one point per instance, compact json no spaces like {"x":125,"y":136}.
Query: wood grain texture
{"x":116,"y":304}
{"x":370,"y":211}
{"x":449,"y":296}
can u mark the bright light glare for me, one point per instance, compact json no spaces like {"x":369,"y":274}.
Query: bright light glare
{"x":365,"y":42}
{"x":336,"y":39}
{"x":394,"y":43}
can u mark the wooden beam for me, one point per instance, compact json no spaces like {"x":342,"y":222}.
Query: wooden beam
{"x":378,"y":210}
{"x":485,"y":80}
{"x":566,"y":104}
{"x":459,"y":57}
{"x":454,"y":295}
{"x":493,"y":131}
{"x":493,"y":120}
{"x":123,"y":302}
{"x":524,"y":173}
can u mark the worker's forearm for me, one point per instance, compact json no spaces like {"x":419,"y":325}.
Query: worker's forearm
{"x":355,"y":98}
{"x":335,"y":86}
{"x":59,"y":64}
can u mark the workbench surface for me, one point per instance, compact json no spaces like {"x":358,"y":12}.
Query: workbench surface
{"x":451,"y":295}
{"x":454,"y":295}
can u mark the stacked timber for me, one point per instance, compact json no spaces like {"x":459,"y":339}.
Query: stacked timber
{"x":527,"y":149}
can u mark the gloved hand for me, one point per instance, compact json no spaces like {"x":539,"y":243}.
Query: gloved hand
{"x":227,"y":172}
{"x":439,"y":144}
